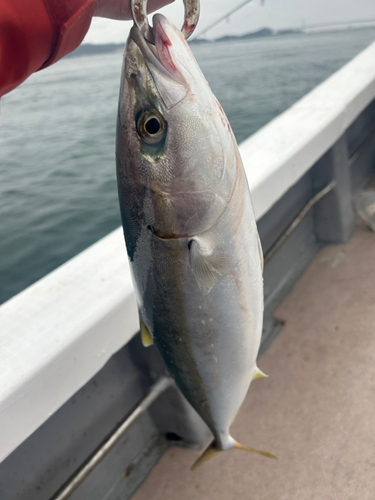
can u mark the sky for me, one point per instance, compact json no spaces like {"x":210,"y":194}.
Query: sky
{"x":276,"y":14}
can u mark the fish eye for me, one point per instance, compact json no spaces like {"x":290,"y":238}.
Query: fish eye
{"x":151,"y":126}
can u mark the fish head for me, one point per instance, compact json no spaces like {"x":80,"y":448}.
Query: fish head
{"x":177,"y":159}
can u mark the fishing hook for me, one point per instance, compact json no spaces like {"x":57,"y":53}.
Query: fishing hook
{"x":139,"y":14}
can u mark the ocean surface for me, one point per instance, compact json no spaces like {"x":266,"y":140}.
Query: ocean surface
{"x":58,"y":191}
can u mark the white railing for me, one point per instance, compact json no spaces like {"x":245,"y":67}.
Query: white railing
{"x":59,"y":332}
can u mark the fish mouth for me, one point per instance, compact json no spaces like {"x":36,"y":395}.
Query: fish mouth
{"x":158,"y":57}
{"x":171,"y":85}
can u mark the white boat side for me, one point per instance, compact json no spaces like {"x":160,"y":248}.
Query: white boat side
{"x":59,"y":332}
{"x":278,"y":155}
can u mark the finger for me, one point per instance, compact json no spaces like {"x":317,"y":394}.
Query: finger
{"x":120,"y":9}
{"x":157,"y":4}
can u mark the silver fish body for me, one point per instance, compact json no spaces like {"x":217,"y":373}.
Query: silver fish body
{"x":189,"y":226}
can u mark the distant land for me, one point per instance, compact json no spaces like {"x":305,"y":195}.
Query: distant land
{"x":264,"y":32}
{"x":88,"y":49}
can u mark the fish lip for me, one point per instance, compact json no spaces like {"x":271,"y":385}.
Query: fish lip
{"x":150,"y":54}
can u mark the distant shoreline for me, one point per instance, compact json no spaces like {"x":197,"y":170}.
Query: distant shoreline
{"x":88,"y":49}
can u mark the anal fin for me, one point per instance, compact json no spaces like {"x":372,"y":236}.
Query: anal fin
{"x":145,"y":334}
{"x":211,"y":451}
{"x":239,"y":446}
{"x":208,"y":453}
{"x":258,"y":374}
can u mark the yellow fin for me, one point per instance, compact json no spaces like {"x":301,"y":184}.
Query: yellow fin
{"x":258,"y":374}
{"x":208,"y":453}
{"x":145,"y":334}
{"x":239,"y":446}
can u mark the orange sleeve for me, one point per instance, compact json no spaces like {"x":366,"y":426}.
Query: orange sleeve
{"x":36,"y":33}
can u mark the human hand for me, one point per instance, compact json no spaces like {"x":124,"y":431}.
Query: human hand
{"x":120,"y":9}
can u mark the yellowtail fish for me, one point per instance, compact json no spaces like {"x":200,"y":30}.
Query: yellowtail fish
{"x":190,"y":231}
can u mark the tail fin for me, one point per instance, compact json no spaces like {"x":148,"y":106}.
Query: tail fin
{"x":239,"y":446}
{"x":210,"y":452}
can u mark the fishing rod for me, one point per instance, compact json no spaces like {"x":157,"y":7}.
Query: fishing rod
{"x":218,"y":21}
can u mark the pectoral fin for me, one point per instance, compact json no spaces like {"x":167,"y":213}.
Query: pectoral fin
{"x":205,"y":264}
{"x":145,"y":334}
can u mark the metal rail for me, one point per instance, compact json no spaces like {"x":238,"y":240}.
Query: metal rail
{"x":297,"y":220}
{"x":72,"y":484}
{"x":357,"y":153}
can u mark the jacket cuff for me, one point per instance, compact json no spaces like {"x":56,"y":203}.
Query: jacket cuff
{"x":71,"y":21}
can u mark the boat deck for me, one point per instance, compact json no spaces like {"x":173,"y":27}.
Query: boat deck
{"x":316,"y":411}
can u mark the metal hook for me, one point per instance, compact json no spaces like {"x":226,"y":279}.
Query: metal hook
{"x":139,"y":14}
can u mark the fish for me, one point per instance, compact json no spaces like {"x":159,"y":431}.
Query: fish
{"x":191,"y":236}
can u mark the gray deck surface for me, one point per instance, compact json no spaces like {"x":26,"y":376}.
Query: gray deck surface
{"x":316,"y":411}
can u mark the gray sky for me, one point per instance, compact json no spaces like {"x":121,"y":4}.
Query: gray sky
{"x":274,"y":14}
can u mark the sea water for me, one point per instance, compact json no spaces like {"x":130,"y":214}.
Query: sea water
{"x":58,"y":192}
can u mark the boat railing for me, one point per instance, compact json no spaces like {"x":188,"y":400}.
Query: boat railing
{"x":58,"y":333}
